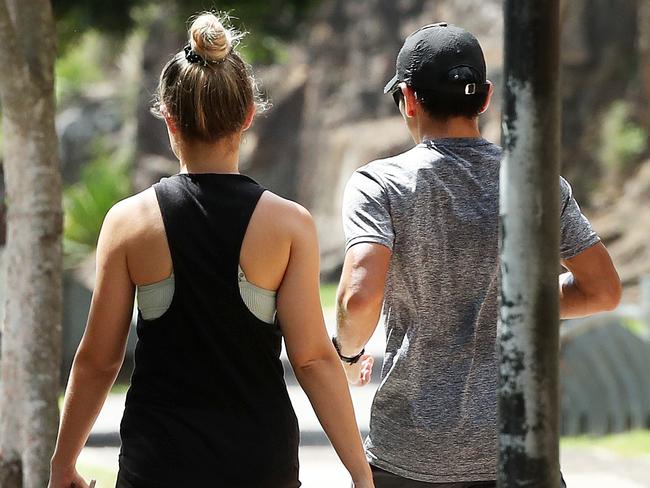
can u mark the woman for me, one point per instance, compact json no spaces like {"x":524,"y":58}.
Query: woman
{"x":211,"y":256}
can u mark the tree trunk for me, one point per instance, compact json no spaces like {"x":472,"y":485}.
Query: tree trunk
{"x":31,"y":332}
{"x":644,"y":61}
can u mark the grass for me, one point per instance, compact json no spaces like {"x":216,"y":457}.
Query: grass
{"x":328,"y":295}
{"x":636,"y":326}
{"x":106,"y":477}
{"x":632,"y":443}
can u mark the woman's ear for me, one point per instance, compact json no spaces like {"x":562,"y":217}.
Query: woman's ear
{"x":248,"y":121}
{"x":488,"y":98}
{"x":169,"y":120}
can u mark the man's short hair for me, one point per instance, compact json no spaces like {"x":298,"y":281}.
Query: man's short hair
{"x":442,"y":106}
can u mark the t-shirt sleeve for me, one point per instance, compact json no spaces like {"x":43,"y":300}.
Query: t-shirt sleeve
{"x":366,"y":211}
{"x":576,"y":234}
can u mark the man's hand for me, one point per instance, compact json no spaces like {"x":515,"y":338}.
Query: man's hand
{"x":359,"y":373}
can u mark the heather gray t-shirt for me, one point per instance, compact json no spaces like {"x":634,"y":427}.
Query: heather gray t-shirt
{"x":436,"y":207}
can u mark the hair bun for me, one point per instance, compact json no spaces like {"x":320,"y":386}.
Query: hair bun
{"x":210,"y":39}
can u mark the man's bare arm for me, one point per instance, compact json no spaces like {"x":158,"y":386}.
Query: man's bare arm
{"x":590,"y":285}
{"x":358,"y":305}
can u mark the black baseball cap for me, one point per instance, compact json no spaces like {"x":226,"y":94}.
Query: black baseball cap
{"x":441,"y":58}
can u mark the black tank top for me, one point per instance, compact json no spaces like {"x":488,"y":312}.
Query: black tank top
{"x":208,"y":405}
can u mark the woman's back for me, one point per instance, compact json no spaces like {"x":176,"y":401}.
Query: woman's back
{"x":207,"y":371}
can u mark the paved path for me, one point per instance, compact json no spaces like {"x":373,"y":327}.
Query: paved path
{"x":320,"y":468}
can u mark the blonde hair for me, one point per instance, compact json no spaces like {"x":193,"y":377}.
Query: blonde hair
{"x":207,"y":89}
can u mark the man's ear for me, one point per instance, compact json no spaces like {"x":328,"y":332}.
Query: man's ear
{"x":488,"y":98}
{"x":248,"y":121}
{"x":410,"y":101}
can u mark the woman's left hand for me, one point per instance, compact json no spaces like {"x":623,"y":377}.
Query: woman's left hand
{"x":66,"y":478}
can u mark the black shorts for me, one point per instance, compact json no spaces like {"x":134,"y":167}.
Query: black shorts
{"x":384,"y":479}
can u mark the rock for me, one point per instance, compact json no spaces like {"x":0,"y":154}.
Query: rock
{"x":150,"y":169}
{"x":623,"y":225}
{"x":84,"y":127}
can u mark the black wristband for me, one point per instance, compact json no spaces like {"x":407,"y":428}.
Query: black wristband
{"x":346,"y":359}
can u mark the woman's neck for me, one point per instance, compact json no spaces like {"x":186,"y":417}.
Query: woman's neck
{"x":218,"y":157}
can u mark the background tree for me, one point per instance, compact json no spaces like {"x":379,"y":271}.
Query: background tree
{"x":31,"y":331}
{"x":644,"y":61}
{"x":267,"y":19}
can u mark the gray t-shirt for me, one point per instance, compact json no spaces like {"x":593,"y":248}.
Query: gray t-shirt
{"x":436,"y":207}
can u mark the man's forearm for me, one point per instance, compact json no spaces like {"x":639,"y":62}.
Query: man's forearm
{"x":354,"y":328}
{"x":360,"y":295}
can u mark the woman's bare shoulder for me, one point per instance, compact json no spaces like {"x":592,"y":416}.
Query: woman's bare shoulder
{"x":134,"y":216}
{"x":286,"y":214}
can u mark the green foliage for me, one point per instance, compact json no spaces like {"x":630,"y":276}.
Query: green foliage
{"x":79,"y":66}
{"x":634,"y":443}
{"x":328,"y":295}
{"x":267,"y":20}
{"x":75,"y":17}
{"x":636,"y":327}
{"x":92,"y":470}
{"x":622,"y":141}
{"x":104,"y":182}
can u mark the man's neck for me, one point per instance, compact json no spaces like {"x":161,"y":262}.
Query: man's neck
{"x":454,"y":127}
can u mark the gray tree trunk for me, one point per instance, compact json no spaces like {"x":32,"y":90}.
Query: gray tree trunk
{"x":644,"y":61}
{"x":29,"y":364}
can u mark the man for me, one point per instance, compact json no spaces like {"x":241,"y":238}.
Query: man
{"x":421,"y":251}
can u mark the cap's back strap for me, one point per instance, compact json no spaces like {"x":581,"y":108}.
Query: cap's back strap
{"x":458,"y":89}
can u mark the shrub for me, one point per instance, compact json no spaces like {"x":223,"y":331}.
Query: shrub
{"x":104,"y":182}
{"x":622,"y":141}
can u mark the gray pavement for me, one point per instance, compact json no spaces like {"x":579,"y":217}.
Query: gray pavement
{"x":320,"y":468}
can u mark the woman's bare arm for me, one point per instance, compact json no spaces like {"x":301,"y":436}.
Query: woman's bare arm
{"x":101,"y":351}
{"x":310,"y":350}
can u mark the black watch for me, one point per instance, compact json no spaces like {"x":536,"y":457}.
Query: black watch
{"x":346,"y":359}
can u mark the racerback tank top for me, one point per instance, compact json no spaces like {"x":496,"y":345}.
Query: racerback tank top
{"x":208,"y":405}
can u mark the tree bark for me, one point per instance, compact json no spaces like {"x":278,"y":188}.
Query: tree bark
{"x":644,"y":61}
{"x":29,"y":365}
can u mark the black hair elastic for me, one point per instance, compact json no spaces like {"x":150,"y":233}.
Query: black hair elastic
{"x":192,"y":57}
